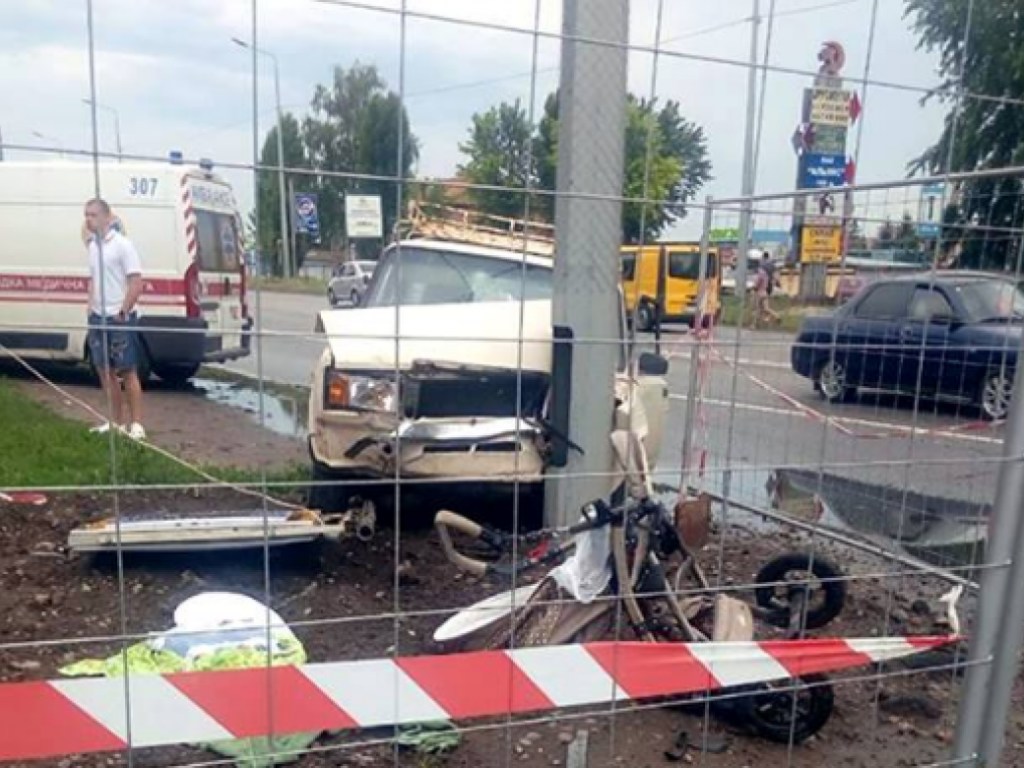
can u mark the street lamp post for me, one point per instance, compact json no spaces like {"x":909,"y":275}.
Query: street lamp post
{"x":117,"y":124}
{"x":285,"y":249}
{"x":54,"y":139}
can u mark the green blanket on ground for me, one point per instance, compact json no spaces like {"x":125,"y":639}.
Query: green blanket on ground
{"x":145,"y":659}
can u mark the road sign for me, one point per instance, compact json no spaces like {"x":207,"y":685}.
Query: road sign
{"x":828,"y":140}
{"x":307,"y":218}
{"x":821,"y":244}
{"x":363,"y":216}
{"x":829,"y":106}
{"x":818,"y":171}
{"x":929,"y":216}
{"x":724,"y":235}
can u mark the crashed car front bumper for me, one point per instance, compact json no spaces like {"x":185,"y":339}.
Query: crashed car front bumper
{"x":479,"y":450}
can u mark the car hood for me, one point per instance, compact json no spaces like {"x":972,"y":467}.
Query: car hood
{"x":484,"y":334}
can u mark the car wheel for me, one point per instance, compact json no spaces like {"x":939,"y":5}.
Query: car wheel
{"x":995,"y":393}
{"x":331,"y":299}
{"x":831,"y":380}
{"x":354,"y":297}
{"x":645,"y":317}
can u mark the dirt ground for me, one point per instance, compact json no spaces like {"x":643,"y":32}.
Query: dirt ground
{"x":56,"y":608}
{"x":47,"y":595}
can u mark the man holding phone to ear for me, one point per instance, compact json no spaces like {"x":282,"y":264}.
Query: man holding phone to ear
{"x":115,"y":286}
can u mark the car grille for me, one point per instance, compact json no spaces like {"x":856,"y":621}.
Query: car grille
{"x":465,"y":394}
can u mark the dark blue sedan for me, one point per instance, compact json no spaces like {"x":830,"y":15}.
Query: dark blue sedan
{"x":952,"y":336}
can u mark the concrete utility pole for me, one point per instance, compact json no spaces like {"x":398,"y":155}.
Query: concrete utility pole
{"x":588,"y":235}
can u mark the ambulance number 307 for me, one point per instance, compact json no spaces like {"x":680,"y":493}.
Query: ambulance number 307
{"x":142,"y":186}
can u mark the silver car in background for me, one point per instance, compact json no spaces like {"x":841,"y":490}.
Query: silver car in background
{"x":349,"y":281}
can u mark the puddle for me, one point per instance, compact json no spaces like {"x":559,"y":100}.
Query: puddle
{"x":281,"y":414}
{"x":942,"y":531}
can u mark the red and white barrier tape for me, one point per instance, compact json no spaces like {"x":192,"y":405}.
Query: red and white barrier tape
{"x":64,"y":717}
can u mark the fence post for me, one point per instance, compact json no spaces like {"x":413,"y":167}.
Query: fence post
{"x":999,"y":627}
{"x":693,"y":388}
{"x":588,"y":234}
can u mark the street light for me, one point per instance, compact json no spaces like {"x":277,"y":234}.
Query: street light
{"x":117,"y":123}
{"x":54,"y":139}
{"x":285,"y":250}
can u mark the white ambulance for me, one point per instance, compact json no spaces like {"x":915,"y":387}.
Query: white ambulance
{"x":183,"y":221}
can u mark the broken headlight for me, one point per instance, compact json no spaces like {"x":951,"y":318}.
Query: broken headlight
{"x":363,"y":393}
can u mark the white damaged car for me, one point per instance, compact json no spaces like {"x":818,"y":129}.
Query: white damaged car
{"x":441,"y":378}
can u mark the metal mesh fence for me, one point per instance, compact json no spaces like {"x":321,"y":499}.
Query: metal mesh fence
{"x":728,"y":480}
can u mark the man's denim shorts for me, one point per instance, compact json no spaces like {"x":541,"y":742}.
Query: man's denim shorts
{"x":113,"y":343}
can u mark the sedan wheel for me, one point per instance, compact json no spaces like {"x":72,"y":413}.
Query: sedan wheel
{"x":996,"y":390}
{"x":831,"y":381}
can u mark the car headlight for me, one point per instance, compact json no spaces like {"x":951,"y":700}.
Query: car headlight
{"x":365,"y":393}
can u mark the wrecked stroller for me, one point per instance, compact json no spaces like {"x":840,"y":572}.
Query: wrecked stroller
{"x":629,"y":570}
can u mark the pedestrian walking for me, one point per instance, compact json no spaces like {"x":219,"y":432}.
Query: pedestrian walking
{"x":115,"y":285}
{"x":763,"y":285}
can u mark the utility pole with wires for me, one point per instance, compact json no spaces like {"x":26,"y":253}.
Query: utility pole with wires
{"x":588,"y":233}
{"x":748,"y":180}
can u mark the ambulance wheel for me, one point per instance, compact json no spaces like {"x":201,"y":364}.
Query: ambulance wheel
{"x":176,"y":375}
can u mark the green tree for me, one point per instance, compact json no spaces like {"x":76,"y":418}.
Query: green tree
{"x":498,"y":149}
{"x":679,"y":164}
{"x":354,"y":128}
{"x":269,"y":240}
{"x":985,"y":133}
{"x":886,"y":234}
{"x":906,"y":234}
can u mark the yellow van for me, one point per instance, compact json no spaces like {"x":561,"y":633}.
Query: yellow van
{"x":661,"y":282}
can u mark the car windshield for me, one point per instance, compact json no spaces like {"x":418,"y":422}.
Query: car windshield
{"x":431,"y":276}
{"x":987,"y":300}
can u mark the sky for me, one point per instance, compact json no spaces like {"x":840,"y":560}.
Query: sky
{"x":179,"y":83}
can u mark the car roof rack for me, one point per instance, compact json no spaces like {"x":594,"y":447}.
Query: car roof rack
{"x":461,"y":225}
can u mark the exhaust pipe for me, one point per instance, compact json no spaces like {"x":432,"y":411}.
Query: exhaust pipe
{"x":361,"y":519}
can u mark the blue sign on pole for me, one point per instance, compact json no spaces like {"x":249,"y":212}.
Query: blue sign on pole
{"x":307,"y":219}
{"x":822,"y":171}
{"x":929,"y":217}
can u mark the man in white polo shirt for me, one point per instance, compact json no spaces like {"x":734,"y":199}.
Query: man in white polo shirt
{"x":115,"y":286}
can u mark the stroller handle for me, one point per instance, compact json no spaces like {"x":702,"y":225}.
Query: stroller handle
{"x":444,"y":520}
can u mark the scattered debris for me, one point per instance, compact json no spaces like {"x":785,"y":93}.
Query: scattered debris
{"x":711,"y":743}
{"x":221,"y":532}
{"x":576,"y":755}
{"x":24,"y":497}
{"x":216,"y":630}
{"x":431,"y":738}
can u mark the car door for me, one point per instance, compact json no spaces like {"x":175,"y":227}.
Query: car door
{"x":931,"y":351}
{"x":870,"y":333}
{"x":347,"y":271}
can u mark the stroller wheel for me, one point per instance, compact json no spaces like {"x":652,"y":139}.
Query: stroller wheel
{"x":789,"y":709}
{"x":820,"y":580}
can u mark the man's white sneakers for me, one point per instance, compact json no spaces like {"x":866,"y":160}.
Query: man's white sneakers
{"x":135,"y":431}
